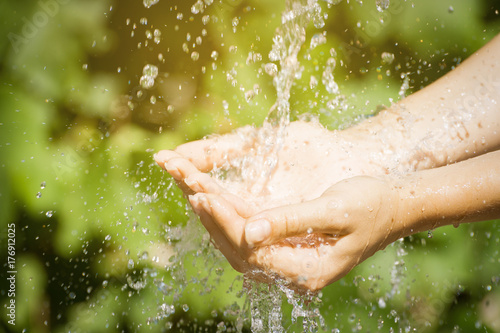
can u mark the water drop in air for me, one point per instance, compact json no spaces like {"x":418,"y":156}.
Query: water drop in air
{"x":387,"y":58}
{"x":382,"y":5}
{"x":149,"y":3}
{"x":195,"y":56}
{"x":149,"y":74}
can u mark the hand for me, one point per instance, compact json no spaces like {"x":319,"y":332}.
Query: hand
{"x":351,"y":221}
{"x":311,"y":160}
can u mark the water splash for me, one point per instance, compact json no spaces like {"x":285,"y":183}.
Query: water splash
{"x":284,"y":67}
{"x":265,"y":304}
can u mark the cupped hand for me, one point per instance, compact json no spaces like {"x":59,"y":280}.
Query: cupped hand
{"x":267,"y":174}
{"x":316,"y":229}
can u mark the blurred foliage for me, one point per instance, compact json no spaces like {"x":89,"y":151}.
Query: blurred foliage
{"x":104,"y":240}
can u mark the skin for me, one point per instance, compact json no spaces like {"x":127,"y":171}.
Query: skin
{"x":336,"y":198}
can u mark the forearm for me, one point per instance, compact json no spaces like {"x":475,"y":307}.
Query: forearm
{"x":467,"y":191}
{"x":455,"y":118}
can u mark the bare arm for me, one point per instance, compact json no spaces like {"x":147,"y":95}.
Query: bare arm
{"x":468,"y":191}
{"x":454,"y":118}
{"x":340,"y":219}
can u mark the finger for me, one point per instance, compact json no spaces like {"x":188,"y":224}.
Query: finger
{"x":202,"y":182}
{"x":243,"y":209}
{"x":221,"y":242}
{"x":210,"y":153}
{"x":227,"y":219}
{"x":321,"y":215}
{"x":179,"y":168}
{"x":163,"y":156}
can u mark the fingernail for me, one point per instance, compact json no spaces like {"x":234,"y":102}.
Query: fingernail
{"x":172,"y":170}
{"x":202,"y":199}
{"x":190,"y":182}
{"x":195,"y":203}
{"x":257,"y":231}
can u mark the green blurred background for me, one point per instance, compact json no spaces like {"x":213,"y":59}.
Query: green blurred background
{"x":105,"y":241}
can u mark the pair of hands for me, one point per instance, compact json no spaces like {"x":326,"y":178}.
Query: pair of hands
{"x":320,"y":212}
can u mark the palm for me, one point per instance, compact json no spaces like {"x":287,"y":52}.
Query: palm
{"x":310,"y":160}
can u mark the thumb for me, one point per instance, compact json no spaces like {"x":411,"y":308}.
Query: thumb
{"x":316,"y":216}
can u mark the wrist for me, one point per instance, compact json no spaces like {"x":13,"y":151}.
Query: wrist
{"x":411,"y":215}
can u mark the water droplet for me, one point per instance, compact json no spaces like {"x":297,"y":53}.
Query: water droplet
{"x":381,"y":303}
{"x":317,"y":39}
{"x":130,"y":264}
{"x":185,"y":307}
{"x":105,"y":283}
{"x":451,"y":9}
{"x":149,"y":74}
{"x":429,"y":234}
{"x":39,"y":195}
{"x":198,"y":7}
{"x":49,"y":213}
{"x":170,"y":109}
{"x":219,"y":271}
{"x":387,"y":58}
{"x":108,"y":237}
{"x":233,"y":49}
{"x":235,"y":22}
{"x":157,"y":35}
{"x":72,"y":295}
{"x":271,"y":69}
{"x":313,"y":82}
{"x":309,"y":230}
{"x":149,"y":3}
{"x":214,"y":55}
{"x":195,"y":56}
{"x":205,"y":19}
{"x":85,"y":67}
{"x":180,"y":16}
{"x":42,"y":185}
{"x":249,"y":95}
{"x":382,"y":5}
